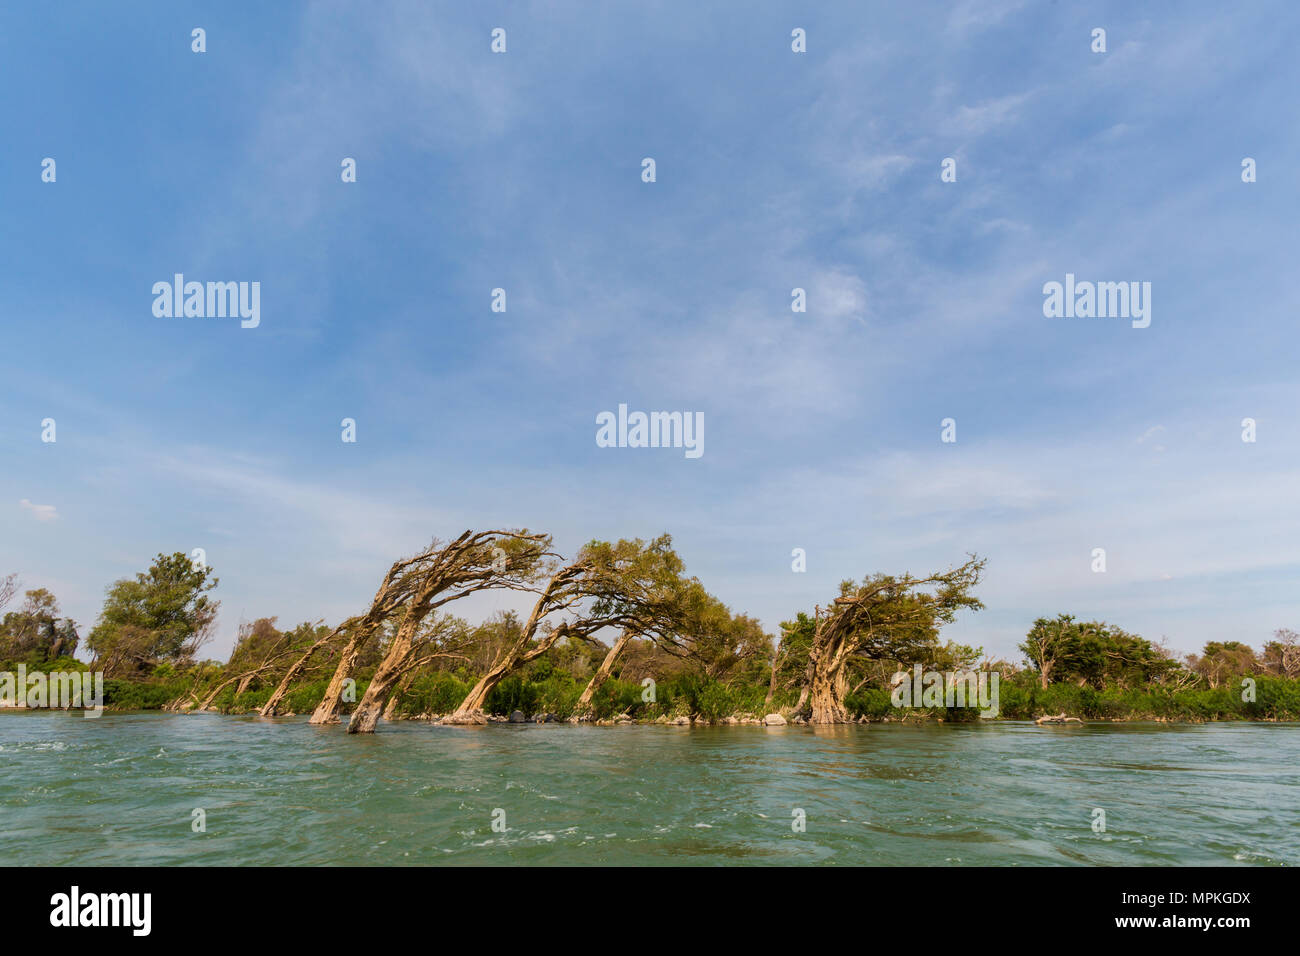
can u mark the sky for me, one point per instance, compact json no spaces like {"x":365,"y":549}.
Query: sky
{"x":774,"y":170}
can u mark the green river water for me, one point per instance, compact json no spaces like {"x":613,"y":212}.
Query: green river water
{"x":121,"y":789}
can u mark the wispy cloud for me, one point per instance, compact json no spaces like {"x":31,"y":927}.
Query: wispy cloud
{"x":989,"y":115}
{"x":40,"y":512}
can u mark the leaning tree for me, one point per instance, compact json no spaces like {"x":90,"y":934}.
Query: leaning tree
{"x":886,"y":616}
{"x":650,"y":599}
{"x":473,"y":562}
{"x":393,"y":590}
{"x":630,"y":585}
{"x":469,"y":563}
{"x":260,"y":649}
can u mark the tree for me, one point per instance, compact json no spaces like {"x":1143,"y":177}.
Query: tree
{"x":1047,"y":643}
{"x":164,"y":614}
{"x":586,"y":700}
{"x":717,"y":642}
{"x":681,"y":619}
{"x":471,"y":563}
{"x":1103,"y":655}
{"x":35,"y":631}
{"x":630,"y":585}
{"x":948,"y":657}
{"x":1096,"y":654}
{"x":790,"y":664}
{"x":884,"y":617}
{"x":1282,"y":654}
{"x":673,"y":614}
{"x":259,"y":649}
{"x":399,"y":585}
{"x":1222,"y":660}
{"x":352,"y":626}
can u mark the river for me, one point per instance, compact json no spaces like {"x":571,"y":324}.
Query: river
{"x":124,"y":788}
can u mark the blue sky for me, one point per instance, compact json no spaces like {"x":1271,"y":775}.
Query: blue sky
{"x":775,"y":170}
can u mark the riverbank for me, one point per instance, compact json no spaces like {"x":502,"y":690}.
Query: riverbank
{"x":688,"y":699}
{"x":1272,"y":699}
{"x":734,"y":720}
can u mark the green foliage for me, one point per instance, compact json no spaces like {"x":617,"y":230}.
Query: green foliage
{"x":513,"y":693}
{"x":558,"y":694}
{"x":694,"y":695}
{"x":870,"y":702}
{"x":304,"y":698}
{"x":616,"y":697}
{"x":1094,"y":653}
{"x":686,"y":694}
{"x":715,"y":701}
{"x":163,"y":614}
{"x":141,"y":695}
{"x":301,"y":699}
{"x":677,"y":696}
{"x":1276,"y":698}
{"x":436,"y":693}
{"x":35,"y":633}
{"x":796,"y":643}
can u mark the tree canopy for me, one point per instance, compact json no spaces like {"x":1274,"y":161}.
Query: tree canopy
{"x":163,"y":614}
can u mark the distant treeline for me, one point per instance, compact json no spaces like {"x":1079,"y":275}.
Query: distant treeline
{"x":620,"y":632}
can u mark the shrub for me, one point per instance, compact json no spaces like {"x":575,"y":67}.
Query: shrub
{"x":870,"y":702}
{"x":513,"y":693}
{"x":617,"y":697}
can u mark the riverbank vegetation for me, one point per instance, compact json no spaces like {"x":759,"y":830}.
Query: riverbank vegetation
{"x":619,"y":632}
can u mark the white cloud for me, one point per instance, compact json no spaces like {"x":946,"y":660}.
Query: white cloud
{"x":837,"y":294}
{"x":989,"y":115}
{"x":1151,"y":433}
{"x":41,"y":512}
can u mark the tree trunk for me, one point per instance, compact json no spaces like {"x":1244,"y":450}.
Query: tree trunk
{"x":827,"y":698}
{"x":183,"y":703}
{"x":292,"y":674}
{"x":397,"y":695}
{"x":327,"y":711}
{"x":602,"y":674}
{"x":392,"y":590}
{"x":395,"y":665}
{"x":478,"y":695}
{"x":366,"y":717}
{"x":471,"y":708}
{"x":207,"y":701}
{"x":771,"y":686}
{"x":460,"y":568}
{"x":827,"y":682}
